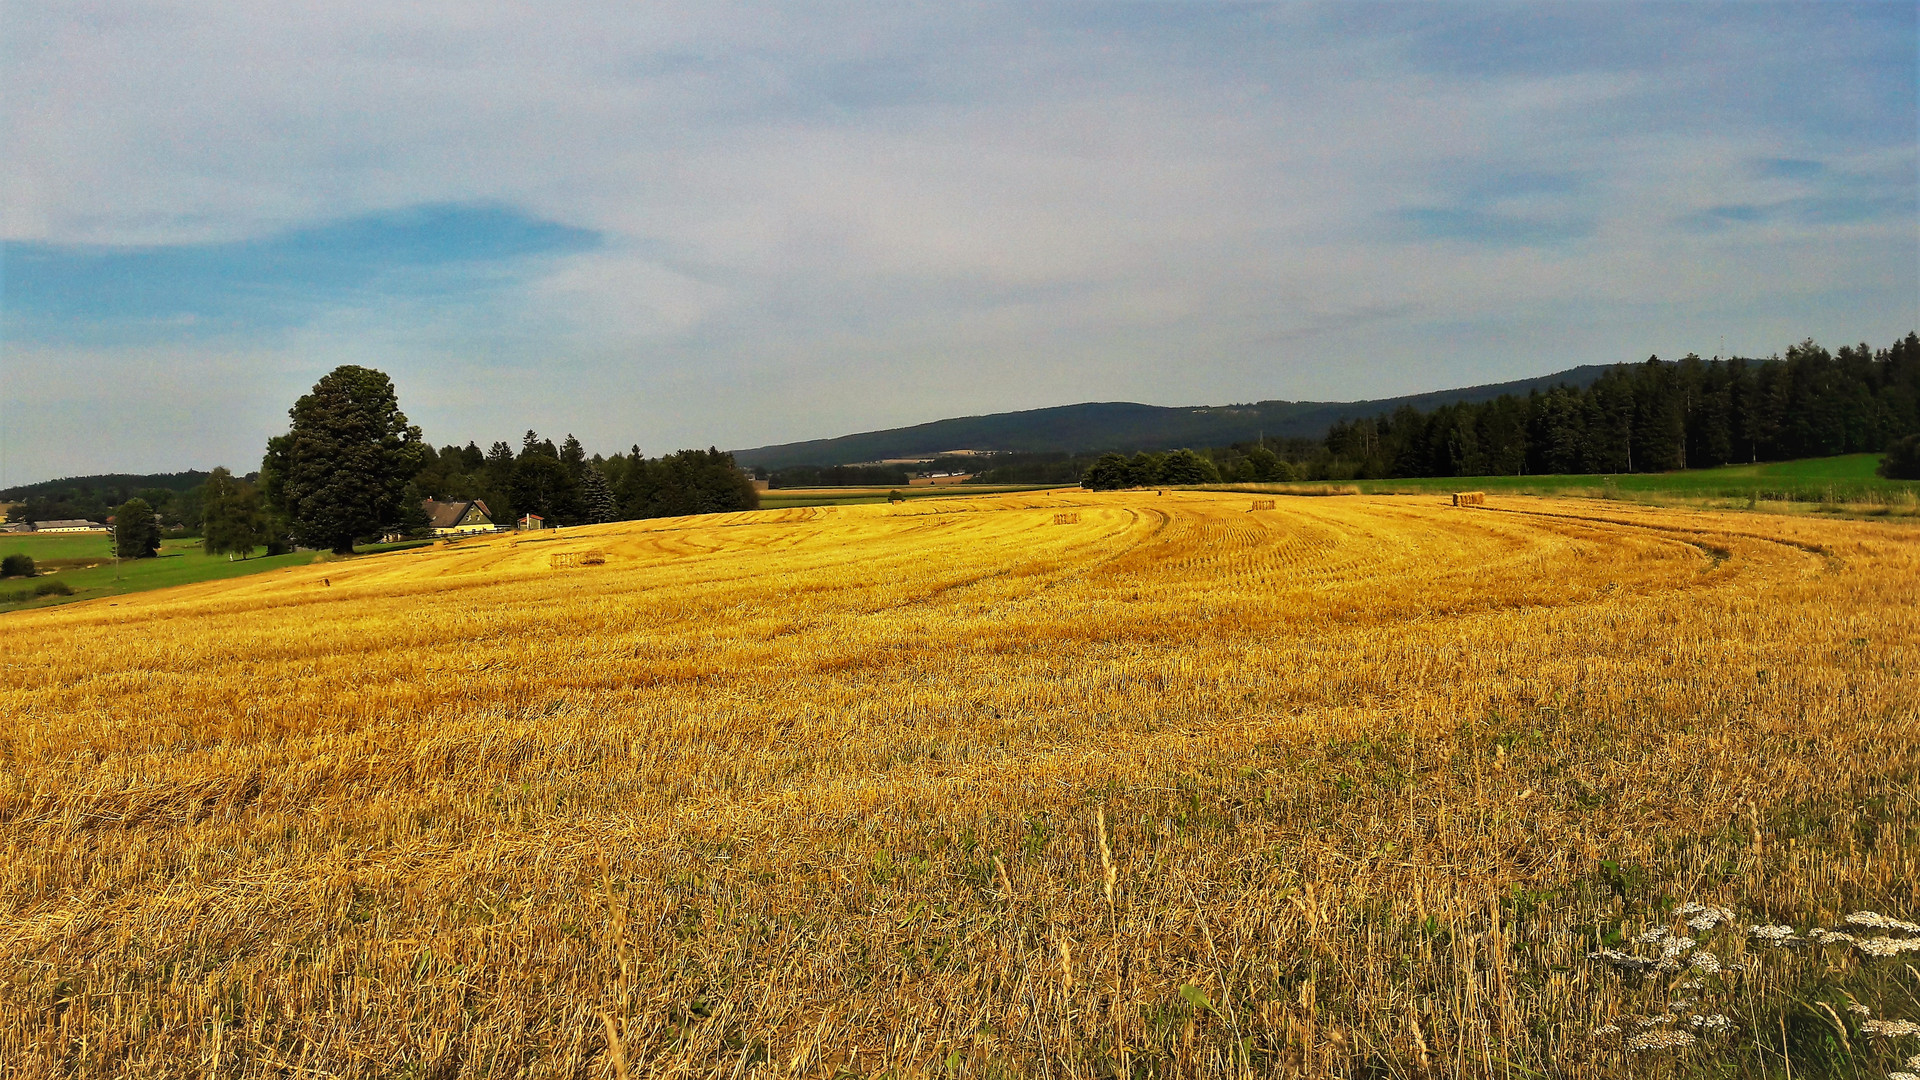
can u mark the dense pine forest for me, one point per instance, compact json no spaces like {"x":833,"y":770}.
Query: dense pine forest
{"x":566,"y":487}
{"x":1657,"y":416}
{"x":1650,"y":417}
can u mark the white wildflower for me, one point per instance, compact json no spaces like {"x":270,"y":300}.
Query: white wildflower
{"x":1914,"y":1062}
{"x":1891,"y":1029}
{"x":1774,"y":935}
{"x":1716,"y":1023}
{"x":1886,"y":946}
{"x":1902,"y":1076}
{"x":1828,"y":937}
{"x":1858,"y":1009}
{"x":1704,"y":916}
{"x":1623,"y":960}
{"x":1881,"y":922}
{"x":1690,"y":984}
{"x":1656,"y":1021}
{"x":1664,"y":1039}
{"x":1606,"y":1029}
{"x":1657,"y":934}
{"x":1705,"y":961}
{"x":1671,"y":950}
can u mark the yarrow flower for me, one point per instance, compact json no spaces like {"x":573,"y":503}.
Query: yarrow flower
{"x":1886,"y":946}
{"x":1704,"y":917}
{"x":1715,"y":1023}
{"x":1881,"y":922}
{"x":1882,"y":946}
{"x":1663,"y":1039}
{"x":1774,"y":935}
{"x":1889,"y":1029}
{"x":1626,"y":961}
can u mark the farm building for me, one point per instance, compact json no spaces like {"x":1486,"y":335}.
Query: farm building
{"x":458,"y":518}
{"x":68,"y":525}
{"x":532,"y":522}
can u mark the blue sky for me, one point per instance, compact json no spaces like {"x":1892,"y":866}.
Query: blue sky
{"x":684,"y":225}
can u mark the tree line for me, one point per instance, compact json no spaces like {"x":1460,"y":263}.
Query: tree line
{"x":1654,"y":416}
{"x":1658,"y":416}
{"x":564,"y":486}
{"x":351,"y":469}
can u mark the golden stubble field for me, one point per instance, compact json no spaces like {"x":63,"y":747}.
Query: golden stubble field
{"x":1353,"y":786}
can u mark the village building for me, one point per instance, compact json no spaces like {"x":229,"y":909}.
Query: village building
{"x":458,"y":518}
{"x":531,"y":522}
{"x":68,"y":525}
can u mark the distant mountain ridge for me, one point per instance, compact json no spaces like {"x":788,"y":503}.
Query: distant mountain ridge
{"x":1127,"y":426}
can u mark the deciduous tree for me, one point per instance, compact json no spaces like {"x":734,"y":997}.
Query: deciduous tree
{"x":136,"y":532}
{"x":341,"y":471}
{"x":233,"y":519}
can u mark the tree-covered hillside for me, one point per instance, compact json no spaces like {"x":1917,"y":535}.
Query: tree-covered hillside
{"x":1122,"y":425}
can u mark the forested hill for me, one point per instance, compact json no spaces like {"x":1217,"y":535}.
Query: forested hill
{"x":111,"y":482}
{"x":1125,"y":425}
{"x":173,"y":495}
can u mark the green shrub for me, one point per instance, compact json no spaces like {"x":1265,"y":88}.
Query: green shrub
{"x":1903,"y":460}
{"x":52,"y":588}
{"x":17,"y":566}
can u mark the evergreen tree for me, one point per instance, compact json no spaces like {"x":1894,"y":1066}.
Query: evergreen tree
{"x":496,"y":485}
{"x":598,"y":497}
{"x":413,"y":520}
{"x":543,"y":484}
{"x":574,"y":457}
{"x":136,"y":532}
{"x":341,"y":470}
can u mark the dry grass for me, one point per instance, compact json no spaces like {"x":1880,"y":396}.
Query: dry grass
{"x":1349,"y":787}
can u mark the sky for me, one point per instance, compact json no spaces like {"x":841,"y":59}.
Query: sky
{"x":677,"y":225}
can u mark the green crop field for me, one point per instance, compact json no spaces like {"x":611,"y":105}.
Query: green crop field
{"x":1846,"y":483}
{"x":84,"y":561}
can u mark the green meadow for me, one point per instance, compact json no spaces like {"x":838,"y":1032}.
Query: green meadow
{"x":84,"y":561}
{"x":1846,"y":483}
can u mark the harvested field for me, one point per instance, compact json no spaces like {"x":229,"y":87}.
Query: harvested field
{"x":1355,"y":786}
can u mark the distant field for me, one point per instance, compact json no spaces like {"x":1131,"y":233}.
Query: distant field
{"x":85,"y":562}
{"x":780,"y":498}
{"x":1078,"y":785}
{"x":1832,"y":481}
